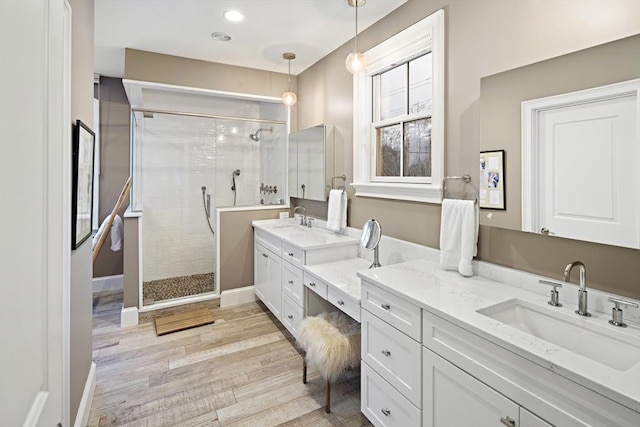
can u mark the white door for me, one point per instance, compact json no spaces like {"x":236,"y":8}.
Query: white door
{"x":454,"y":398}
{"x":588,"y":158}
{"x":35,"y":223}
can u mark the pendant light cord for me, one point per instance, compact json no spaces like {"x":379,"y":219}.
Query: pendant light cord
{"x":356,"y":38}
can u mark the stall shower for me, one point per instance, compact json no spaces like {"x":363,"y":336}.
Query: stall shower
{"x":185,"y":165}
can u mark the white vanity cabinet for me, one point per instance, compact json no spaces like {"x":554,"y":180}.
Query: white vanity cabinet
{"x":267,"y":275}
{"x":278,"y":274}
{"x":469,"y":380}
{"x":391,"y":377}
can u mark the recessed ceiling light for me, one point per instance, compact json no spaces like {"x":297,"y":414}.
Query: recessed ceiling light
{"x":233,"y":16}
{"x":221,"y":37}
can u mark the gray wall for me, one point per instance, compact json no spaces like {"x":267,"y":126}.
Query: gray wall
{"x":482,"y":38}
{"x":115,"y":118}
{"x":81,"y":266}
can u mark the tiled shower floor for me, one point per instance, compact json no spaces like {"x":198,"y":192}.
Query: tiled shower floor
{"x":175,"y":287}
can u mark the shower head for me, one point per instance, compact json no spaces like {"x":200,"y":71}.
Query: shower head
{"x":256,"y":136}
{"x":236,"y":172}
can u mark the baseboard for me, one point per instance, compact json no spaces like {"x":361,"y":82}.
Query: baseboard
{"x":108,"y":283}
{"x":128,"y":317}
{"x":237,"y":296}
{"x":82,"y":416}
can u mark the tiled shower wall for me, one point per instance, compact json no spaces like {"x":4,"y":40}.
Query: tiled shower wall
{"x":179,"y":155}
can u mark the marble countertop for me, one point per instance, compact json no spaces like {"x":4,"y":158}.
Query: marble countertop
{"x":341,"y":275}
{"x":455,"y":298}
{"x":304,"y":238}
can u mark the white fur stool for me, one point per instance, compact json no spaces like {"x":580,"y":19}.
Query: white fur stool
{"x":331,"y":342}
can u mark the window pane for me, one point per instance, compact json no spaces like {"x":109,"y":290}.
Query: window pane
{"x":417,"y":148}
{"x":388,"y":151}
{"x":420,"y":84}
{"x":393,"y":87}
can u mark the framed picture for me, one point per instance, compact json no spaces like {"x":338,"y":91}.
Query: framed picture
{"x":82,"y":193}
{"x":492,"y":180}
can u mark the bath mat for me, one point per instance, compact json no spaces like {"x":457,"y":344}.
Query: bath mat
{"x":181,"y":321}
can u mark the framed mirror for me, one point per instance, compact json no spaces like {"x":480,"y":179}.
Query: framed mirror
{"x":311,"y":162}
{"x":501,"y":128}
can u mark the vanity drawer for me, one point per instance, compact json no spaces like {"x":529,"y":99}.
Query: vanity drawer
{"x":399,"y":313}
{"x":267,"y":240}
{"x":316,"y":285}
{"x":345,"y":304}
{"x":292,"y":283}
{"x":292,"y":315}
{"x":292,"y":254}
{"x":382,"y":404}
{"x":393,"y":355}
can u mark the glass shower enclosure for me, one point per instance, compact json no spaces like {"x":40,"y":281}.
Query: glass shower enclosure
{"x":187,"y":163}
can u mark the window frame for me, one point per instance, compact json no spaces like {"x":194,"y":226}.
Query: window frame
{"x":425,"y":36}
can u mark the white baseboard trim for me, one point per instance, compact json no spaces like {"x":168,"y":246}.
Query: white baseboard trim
{"x":108,"y":283}
{"x":128,"y":317}
{"x":237,"y":296}
{"x":82,"y":416}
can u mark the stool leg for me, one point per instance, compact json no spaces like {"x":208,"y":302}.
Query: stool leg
{"x":328,"y":398}
{"x":304,"y":370}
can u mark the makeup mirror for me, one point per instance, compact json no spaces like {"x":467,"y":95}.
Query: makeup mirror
{"x":370,"y":239}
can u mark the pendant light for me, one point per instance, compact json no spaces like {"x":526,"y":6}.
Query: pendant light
{"x":356,"y":61}
{"x":289,"y":98}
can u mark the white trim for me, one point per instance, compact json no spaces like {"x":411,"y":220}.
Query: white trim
{"x":405,"y":45}
{"x":82,"y":416}
{"x":237,"y":296}
{"x":412,"y":192}
{"x":530,"y":159}
{"x":108,"y":283}
{"x":128,"y":317}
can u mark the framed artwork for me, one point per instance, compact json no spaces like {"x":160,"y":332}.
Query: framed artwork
{"x":492,"y":180}
{"x":82,"y":177}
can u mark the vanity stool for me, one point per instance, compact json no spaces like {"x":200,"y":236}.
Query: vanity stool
{"x":331,"y":342}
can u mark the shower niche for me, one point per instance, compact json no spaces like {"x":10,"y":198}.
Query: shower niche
{"x":193,"y":151}
{"x":311,"y":162}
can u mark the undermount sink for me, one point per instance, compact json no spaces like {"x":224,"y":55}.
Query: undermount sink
{"x":616,"y":348}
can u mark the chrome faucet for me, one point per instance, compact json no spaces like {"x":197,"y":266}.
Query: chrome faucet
{"x":582,"y":292}
{"x":303,"y":218}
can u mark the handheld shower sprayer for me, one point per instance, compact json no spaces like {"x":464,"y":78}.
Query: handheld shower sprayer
{"x":233,"y":185}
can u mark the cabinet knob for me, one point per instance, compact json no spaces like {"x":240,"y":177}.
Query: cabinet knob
{"x":385,"y":306}
{"x":312,"y":284}
{"x":508,"y":421}
{"x":291,"y":282}
{"x":265,"y":255}
{"x":290,"y":316}
{"x":386,"y":353}
{"x":340,"y":302}
{"x":290,"y":254}
{"x":385,"y":411}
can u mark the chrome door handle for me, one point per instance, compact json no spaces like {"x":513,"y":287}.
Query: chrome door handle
{"x":290,"y":316}
{"x":290,"y":254}
{"x":340,"y":302}
{"x":385,"y":411}
{"x":385,"y":306}
{"x":508,"y":421}
{"x":313,"y":285}
{"x":265,"y":255}
{"x":386,"y":353}
{"x":290,"y":282}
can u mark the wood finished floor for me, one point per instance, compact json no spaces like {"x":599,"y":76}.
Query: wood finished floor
{"x":243,"y":370}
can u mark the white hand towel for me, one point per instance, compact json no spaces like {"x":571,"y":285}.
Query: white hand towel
{"x":458,"y":235}
{"x":99,"y":233}
{"x":337,"y":210}
{"x":116,"y":234}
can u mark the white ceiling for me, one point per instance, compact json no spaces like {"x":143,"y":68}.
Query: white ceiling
{"x":309,"y":28}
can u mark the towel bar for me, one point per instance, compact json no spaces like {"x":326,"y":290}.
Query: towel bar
{"x":466,"y":178}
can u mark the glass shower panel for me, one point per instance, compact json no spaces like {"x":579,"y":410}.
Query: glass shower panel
{"x":179,"y":182}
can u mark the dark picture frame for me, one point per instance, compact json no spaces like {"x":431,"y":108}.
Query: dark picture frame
{"x":492,"y":180}
{"x":84,"y":141}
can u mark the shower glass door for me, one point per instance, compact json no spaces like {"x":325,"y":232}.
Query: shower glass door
{"x":178,"y":182}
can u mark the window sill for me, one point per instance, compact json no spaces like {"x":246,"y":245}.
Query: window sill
{"x":426,"y":193}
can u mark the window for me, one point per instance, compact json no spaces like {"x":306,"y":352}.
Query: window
{"x":398,"y":116}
